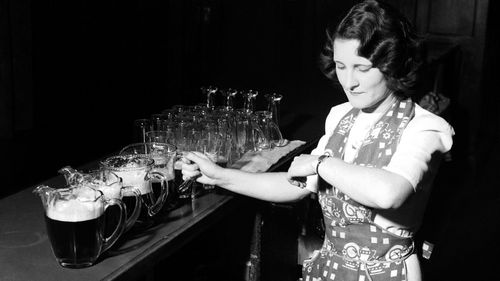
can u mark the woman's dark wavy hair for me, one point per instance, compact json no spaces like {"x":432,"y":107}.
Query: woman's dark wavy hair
{"x":386,"y":38}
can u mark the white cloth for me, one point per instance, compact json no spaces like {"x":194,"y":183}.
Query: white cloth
{"x":414,"y":159}
{"x":261,"y":161}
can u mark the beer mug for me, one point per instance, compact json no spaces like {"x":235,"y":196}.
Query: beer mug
{"x":112,"y":188}
{"x":163,"y":155}
{"x":136,"y":170}
{"x":75,"y":222}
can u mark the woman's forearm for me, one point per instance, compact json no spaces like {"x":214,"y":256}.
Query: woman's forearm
{"x":272,"y":187}
{"x":372,"y":187}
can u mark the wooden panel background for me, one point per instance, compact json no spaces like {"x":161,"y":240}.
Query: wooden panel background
{"x":452,"y":17}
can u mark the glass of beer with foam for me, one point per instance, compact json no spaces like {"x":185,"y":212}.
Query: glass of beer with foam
{"x":137,"y":171}
{"x":112,"y":187}
{"x":75,"y":223}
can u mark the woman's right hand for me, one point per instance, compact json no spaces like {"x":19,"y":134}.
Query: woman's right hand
{"x":196,"y":164}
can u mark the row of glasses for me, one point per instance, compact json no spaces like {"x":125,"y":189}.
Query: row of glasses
{"x":238,"y":130}
{"x":78,"y":222}
{"x":139,"y":179}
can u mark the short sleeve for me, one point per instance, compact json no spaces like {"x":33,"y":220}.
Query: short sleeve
{"x":426,"y":136}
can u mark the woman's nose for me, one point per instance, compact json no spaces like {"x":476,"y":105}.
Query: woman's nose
{"x":351,"y":82}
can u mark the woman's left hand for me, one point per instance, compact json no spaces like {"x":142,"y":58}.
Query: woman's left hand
{"x":301,"y":167}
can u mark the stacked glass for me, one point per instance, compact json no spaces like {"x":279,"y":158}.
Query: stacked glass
{"x":222,"y":132}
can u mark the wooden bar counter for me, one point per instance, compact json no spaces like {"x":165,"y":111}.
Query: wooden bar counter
{"x":26,"y":254}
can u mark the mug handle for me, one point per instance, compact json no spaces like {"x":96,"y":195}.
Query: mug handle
{"x":137,"y":206}
{"x":155,"y":208}
{"x":120,"y":227}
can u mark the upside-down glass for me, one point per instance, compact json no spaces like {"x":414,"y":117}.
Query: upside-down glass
{"x":210,"y":143}
{"x":141,"y":126}
{"x":272,"y":133}
{"x":112,"y":188}
{"x":249,"y":135}
{"x":158,"y":121}
{"x":162,"y":136}
{"x":75,"y":221}
{"x":138,"y":171}
{"x":209,"y":92}
{"x":249,"y":98}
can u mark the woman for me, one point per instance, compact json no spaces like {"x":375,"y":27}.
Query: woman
{"x":373,"y":167}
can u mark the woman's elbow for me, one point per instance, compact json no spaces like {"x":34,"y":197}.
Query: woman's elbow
{"x":394,"y":197}
{"x":390,"y":202}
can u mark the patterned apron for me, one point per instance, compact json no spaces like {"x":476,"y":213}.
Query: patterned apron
{"x":354,"y":247}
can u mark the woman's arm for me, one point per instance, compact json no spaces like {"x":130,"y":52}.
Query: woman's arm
{"x":426,"y":137}
{"x":272,"y":187}
{"x":371,"y":187}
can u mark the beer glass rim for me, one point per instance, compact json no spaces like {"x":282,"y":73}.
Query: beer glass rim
{"x":94,"y":172}
{"x":149,"y":162}
{"x":69,"y":190}
{"x":171,"y":147}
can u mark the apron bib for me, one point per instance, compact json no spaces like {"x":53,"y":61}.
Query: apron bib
{"x":354,"y":247}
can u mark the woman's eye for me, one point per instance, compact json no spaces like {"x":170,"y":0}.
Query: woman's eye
{"x":339,"y":66}
{"x":364,"y":69}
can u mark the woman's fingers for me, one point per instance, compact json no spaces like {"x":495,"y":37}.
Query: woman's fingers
{"x":194,"y":156}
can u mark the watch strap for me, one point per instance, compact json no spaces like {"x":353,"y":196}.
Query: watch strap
{"x":320,"y":160}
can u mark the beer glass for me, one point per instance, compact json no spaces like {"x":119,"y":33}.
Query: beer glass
{"x":137,"y":170}
{"x":75,"y":223}
{"x":163,"y":155}
{"x":112,"y":188}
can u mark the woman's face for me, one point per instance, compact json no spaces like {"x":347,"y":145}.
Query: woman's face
{"x":364,"y":85}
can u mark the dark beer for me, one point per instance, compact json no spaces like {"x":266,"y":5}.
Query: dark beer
{"x":178,"y":177}
{"x":171,"y":199}
{"x":222,"y":161}
{"x":145,"y":202}
{"x":137,"y":179}
{"x":76,"y":243}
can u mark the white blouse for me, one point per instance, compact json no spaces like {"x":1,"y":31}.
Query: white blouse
{"x":415,"y":159}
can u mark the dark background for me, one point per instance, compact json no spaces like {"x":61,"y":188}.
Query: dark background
{"x":75,"y":74}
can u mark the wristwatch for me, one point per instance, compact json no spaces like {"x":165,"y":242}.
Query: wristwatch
{"x":320,"y":159}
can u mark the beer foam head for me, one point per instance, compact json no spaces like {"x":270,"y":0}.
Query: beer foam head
{"x":135,"y":178}
{"x":178,"y":164}
{"x":159,"y":159}
{"x":170,"y":175}
{"x":128,"y":161}
{"x":110,"y":185}
{"x":170,"y":168}
{"x":165,"y":165}
{"x":81,"y":205}
{"x":112,"y":191}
